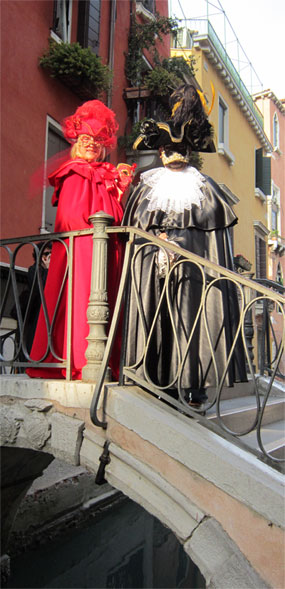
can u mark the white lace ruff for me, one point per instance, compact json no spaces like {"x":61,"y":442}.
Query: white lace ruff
{"x":173,"y":191}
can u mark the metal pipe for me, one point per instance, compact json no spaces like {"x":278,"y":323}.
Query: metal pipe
{"x":111,"y":47}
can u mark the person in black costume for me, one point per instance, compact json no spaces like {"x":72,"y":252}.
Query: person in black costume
{"x":183,"y":206}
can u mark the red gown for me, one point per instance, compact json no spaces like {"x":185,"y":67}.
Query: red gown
{"x":81,"y":189}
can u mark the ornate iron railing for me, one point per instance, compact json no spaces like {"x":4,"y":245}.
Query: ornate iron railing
{"x":254,"y":329}
{"x":250,"y":295}
{"x":96,"y":313}
{"x":22,"y":306}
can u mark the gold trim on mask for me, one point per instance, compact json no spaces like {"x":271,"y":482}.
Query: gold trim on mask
{"x":174,"y":157}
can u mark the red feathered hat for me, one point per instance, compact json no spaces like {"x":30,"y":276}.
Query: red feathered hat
{"x":92,"y":118}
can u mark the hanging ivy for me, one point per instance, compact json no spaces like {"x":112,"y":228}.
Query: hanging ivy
{"x":145,"y":36}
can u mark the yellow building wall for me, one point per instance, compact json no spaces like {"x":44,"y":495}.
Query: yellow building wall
{"x":240,"y":176}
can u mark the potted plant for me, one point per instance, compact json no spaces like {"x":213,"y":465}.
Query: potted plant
{"x":242,"y":263}
{"x":274,"y":234}
{"x":79,"y":69}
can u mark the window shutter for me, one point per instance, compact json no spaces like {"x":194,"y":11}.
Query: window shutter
{"x":262,"y":172}
{"x":266,"y":175}
{"x":88,"y":29}
{"x":260,"y":257}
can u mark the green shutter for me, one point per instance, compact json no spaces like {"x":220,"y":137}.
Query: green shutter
{"x":266,"y":180}
{"x":262,"y":172}
{"x":258,"y":168}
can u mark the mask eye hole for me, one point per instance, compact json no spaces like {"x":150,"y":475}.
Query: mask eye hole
{"x":169,"y":149}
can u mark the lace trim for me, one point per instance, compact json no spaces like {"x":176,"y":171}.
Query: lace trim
{"x":174,"y":191}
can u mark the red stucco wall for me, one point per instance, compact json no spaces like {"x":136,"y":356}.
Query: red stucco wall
{"x":29,"y":95}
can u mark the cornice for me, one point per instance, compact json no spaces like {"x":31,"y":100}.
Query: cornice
{"x":264,"y":231}
{"x":272,"y":96}
{"x":204,"y":43}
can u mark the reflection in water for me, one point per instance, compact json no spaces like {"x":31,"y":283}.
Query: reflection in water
{"x":124,"y":547}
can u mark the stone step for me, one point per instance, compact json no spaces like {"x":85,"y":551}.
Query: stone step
{"x":240,"y":389}
{"x":272,"y":437}
{"x":238,"y":414}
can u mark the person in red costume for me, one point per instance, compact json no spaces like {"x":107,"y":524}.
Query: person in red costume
{"x":83,"y":185}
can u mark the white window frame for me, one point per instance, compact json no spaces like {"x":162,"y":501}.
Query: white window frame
{"x":223,"y":146}
{"x":275,"y":131}
{"x":50,"y":123}
{"x":67,"y":27}
{"x":274,"y":204}
{"x":261,"y":232}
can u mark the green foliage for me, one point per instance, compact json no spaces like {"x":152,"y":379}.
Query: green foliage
{"x":161,"y":82}
{"x":172,"y":72}
{"x":127,"y":141}
{"x":71,"y":60}
{"x":179,"y":66}
{"x":145,"y":36}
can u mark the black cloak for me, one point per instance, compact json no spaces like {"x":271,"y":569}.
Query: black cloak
{"x":204,"y":231}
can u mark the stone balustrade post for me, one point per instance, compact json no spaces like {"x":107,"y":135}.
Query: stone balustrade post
{"x":98,"y":308}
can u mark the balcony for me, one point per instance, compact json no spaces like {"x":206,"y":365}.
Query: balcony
{"x":231,"y":62}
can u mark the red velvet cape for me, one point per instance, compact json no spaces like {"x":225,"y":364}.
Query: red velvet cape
{"x":81,"y":189}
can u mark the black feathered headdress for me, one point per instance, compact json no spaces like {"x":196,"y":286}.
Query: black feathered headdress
{"x":188,"y":125}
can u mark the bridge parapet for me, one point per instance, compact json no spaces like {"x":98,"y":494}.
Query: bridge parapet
{"x":224,"y":505}
{"x":46,"y":416}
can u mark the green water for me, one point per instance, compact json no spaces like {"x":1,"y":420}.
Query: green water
{"x":123,"y":547}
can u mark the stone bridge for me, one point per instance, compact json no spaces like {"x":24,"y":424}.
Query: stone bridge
{"x":225,"y":506}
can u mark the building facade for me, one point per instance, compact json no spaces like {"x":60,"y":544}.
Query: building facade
{"x":241,"y":165}
{"x":273,"y":111}
{"x":34,"y":103}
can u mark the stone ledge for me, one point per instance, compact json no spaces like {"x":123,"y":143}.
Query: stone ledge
{"x":228,"y":467}
{"x":224,"y":566}
{"x":68,"y":393}
{"x":153,"y":492}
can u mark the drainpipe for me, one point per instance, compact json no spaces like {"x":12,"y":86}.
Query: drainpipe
{"x":111,"y":46}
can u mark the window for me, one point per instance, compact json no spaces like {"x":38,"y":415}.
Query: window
{"x":262,"y":173}
{"x":275,"y":131}
{"x":55,"y":143}
{"x":279,"y":276}
{"x":260,"y":235}
{"x":274,"y":217}
{"x":148,"y":4}
{"x":61,"y":27}
{"x":274,"y":209}
{"x":260,"y":257}
{"x":222,"y":121}
{"x":223,"y":139}
{"x":88,"y":29}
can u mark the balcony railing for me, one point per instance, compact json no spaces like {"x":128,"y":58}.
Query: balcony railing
{"x":249,"y":329}
{"x":204,"y":27}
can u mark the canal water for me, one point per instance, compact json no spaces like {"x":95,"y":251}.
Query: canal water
{"x":121,"y":547}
